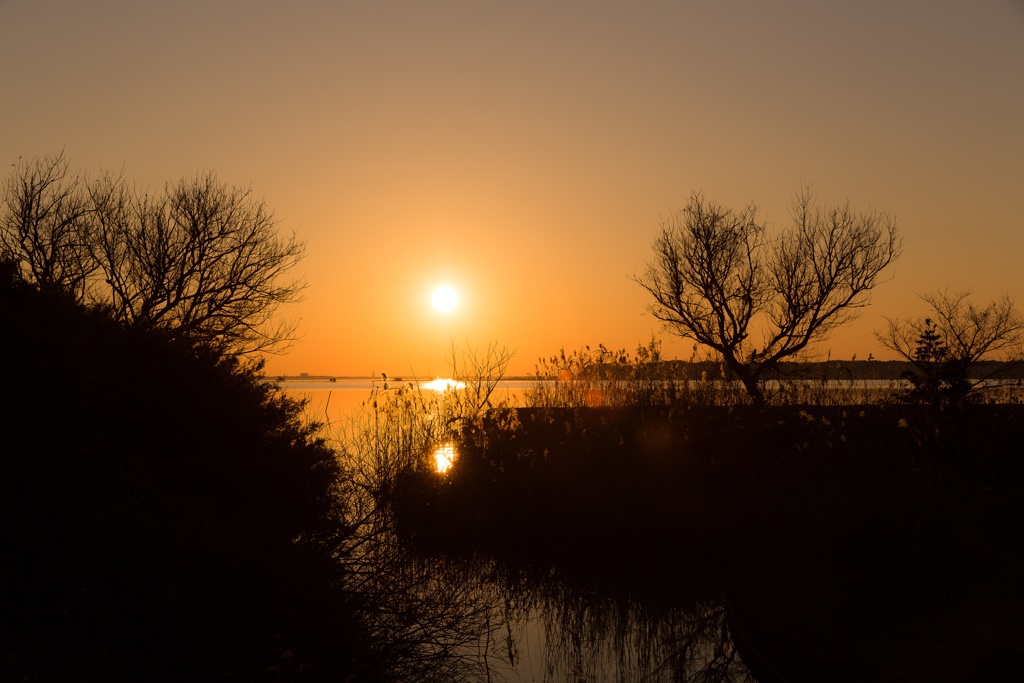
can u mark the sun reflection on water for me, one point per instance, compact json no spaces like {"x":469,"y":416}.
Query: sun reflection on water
{"x":445,"y":456}
{"x":443,"y":384}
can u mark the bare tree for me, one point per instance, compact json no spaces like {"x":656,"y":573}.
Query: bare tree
{"x":718,"y":273}
{"x":45,"y":224}
{"x":203,"y":260}
{"x":955,"y":340}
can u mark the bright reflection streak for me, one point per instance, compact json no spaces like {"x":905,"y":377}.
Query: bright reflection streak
{"x":445,"y":455}
{"x":443,"y":385}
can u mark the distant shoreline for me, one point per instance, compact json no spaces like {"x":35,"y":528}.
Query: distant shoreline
{"x":831,"y":369}
{"x":370,"y":378}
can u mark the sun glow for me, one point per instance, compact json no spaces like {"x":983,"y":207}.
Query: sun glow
{"x":444,"y":299}
{"x":445,"y":456}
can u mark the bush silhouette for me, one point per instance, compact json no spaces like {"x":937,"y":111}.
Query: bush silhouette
{"x":940,"y":381}
{"x":963,"y":353}
{"x":165,"y":514}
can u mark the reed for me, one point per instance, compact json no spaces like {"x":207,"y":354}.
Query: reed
{"x":601,"y":378}
{"x":438,"y":620}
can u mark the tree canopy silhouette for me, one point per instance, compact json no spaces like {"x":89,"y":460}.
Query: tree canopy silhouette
{"x":202,"y":260}
{"x":956,"y":338}
{"x":45,"y":224}
{"x":718,"y":274}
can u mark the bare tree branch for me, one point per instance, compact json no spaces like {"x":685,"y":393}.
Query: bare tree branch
{"x":968,"y":335}
{"x":45,"y":224}
{"x":716,"y":272}
{"x":202,"y":260}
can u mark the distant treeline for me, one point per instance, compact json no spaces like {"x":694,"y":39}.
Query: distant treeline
{"x":827,"y":370}
{"x":820,"y":370}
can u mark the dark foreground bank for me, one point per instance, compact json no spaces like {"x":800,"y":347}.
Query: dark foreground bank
{"x":163,"y":515}
{"x":851,"y":543}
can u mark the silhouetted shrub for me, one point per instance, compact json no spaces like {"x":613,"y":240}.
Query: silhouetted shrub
{"x":164,"y":513}
{"x":939,"y":381}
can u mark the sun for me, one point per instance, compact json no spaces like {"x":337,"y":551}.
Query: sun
{"x":444,"y":299}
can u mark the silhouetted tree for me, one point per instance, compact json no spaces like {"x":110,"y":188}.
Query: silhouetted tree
{"x":946,"y":346}
{"x":203,"y":261}
{"x":718,"y":273}
{"x":45,"y":224}
{"x":939,"y":380}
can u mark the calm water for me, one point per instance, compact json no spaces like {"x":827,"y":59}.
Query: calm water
{"x":570,"y":631}
{"x":339,"y":399}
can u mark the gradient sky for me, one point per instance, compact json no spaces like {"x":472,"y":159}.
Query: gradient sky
{"x":523,"y":153}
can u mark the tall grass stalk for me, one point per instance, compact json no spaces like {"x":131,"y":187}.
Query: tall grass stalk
{"x":439,"y":621}
{"x":604,"y":378}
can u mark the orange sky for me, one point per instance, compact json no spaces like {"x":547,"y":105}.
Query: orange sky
{"x":523,"y":152}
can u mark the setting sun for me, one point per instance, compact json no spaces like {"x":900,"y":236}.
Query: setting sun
{"x":444,"y":299}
